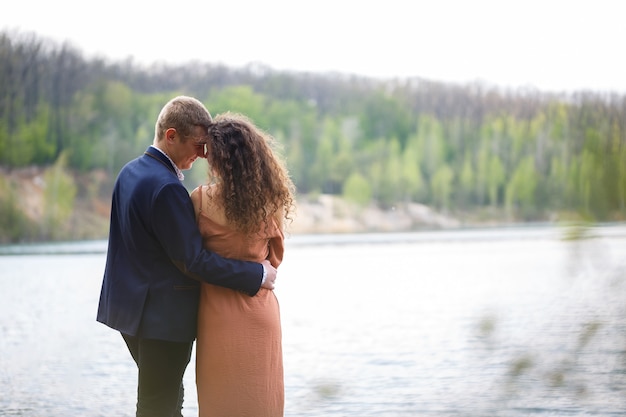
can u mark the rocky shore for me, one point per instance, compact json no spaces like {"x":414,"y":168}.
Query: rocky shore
{"x":331,"y":214}
{"x":313,"y":214}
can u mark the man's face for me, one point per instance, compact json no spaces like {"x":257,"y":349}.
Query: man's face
{"x":185,"y":152}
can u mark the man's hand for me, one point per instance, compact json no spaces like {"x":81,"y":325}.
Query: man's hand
{"x":270,"y":278}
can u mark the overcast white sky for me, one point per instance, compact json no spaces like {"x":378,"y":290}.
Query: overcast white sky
{"x":553,"y":45}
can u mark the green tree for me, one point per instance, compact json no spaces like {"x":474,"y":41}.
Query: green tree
{"x":240,"y":99}
{"x":333,"y":158}
{"x":59,"y":196}
{"x":357,"y":190}
{"x":4,"y":141}
{"x":590,"y":184}
{"x":34,"y":133}
{"x":495,"y":179}
{"x":391,"y":182}
{"x":442,"y":186}
{"x":411,"y":179}
{"x":385,"y":115}
{"x":15,"y":226}
{"x":321,"y":177}
{"x":431,"y":144}
{"x":466,"y":182}
{"x":520,"y":190}
{"x":481,"y":187}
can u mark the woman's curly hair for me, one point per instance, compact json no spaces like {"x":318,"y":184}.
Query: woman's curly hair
{"x":253,"y":181}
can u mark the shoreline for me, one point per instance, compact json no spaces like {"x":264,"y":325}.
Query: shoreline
{"x":319,"y":214}
{"x":469,"y":235}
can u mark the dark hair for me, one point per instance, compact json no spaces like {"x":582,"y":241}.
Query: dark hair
{"x":253,"y":182}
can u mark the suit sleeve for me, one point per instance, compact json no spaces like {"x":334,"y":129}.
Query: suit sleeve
{"x":174,"y":224}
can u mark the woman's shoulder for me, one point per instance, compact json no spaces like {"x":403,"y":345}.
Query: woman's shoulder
{"x":200,"y":198}
{"x":203,"y":198}
{"x":195,"y":194}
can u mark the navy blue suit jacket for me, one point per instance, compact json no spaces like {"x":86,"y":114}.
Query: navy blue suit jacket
{"x":155,"y":258}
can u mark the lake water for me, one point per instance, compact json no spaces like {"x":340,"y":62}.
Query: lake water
{"x":514,"y":322}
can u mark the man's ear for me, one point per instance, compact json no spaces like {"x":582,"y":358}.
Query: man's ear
{"x":170,"y":135}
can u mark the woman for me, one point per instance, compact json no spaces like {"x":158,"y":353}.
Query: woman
{"x":240,"y":213}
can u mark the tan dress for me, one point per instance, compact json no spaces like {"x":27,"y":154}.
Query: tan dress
{"x":239,"y":361}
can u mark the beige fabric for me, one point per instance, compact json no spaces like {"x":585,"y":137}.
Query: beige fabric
{"x":239,"y":363}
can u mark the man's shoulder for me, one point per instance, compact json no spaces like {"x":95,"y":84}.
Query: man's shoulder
{"x":148,"y":176}
{"x":149,"y":167}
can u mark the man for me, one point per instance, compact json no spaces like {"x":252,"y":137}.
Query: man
{"x":155,"y":259}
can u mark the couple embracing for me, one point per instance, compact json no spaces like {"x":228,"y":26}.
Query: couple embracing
{"x":181,"y":267}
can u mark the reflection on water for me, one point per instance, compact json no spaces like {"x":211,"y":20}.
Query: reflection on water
{"x":507,"y":324}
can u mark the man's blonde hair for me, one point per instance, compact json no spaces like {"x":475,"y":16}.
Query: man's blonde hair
{"x":182,"y":113}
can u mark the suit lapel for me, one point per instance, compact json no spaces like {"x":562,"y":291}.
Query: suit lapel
{"x":154,"y":153}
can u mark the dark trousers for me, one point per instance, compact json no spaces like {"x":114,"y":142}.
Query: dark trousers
{"x":161,"y":365}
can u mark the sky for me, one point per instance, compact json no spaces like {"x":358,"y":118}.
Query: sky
{"x":549,"y":45}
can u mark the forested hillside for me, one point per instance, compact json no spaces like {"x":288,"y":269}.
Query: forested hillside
{"x":470,"y":151}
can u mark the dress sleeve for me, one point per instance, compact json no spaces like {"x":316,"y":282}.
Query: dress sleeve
{"x":276,"y":247}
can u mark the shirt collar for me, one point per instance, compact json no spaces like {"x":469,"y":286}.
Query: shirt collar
{"x":179,"y":173}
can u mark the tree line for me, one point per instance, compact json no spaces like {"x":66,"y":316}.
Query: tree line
{"x":471,"y":149}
